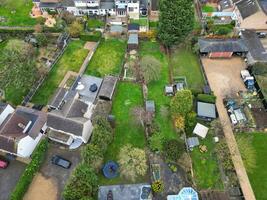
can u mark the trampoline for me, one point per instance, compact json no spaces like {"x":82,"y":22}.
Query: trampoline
{"x":111,"y":169}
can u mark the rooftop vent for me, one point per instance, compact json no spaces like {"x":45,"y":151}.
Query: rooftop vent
{"x":93,"y":88}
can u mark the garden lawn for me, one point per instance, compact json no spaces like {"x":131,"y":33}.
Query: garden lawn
{"x":108,"y":58}
{"x":95,"y":23}
{"x":207,"y":8}
{"x":258,"y":175}
{"x":156,"y":88}
{"x":21,"y":15}
{"x":142,"y":21}
{"x":185,"y":63}
{"x":205,"y":166}
{"x":71,"y":60}
{"x":128,"y":95}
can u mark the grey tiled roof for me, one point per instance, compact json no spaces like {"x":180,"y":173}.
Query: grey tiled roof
{"x":206,"y":110}
{"x":133,"y":38}
{"x":108,"y":87}
{"x":247,"y":7}
{"x":222,"y":45}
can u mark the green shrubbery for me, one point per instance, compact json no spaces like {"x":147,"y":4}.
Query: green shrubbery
{"x":173,"y":149}
{"x":157,"y":186}
{"x":206,"y":98}
{"x":94,"y":36}
{"x":33,"y":167}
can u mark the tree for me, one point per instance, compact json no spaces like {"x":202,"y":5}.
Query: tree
{"x":156,"y":142}
{"x":150,"y":68}
{"x":179,"y":122}
{"x":82,"y":184}
{"x":75,"y":29}
{"x":176,"y":21}
{"x":190,"y":120}
{"x":140,"y":116}
{"x":132,"y":162}
{"x":68,"y":17}
{"x":173,"y":149}
{"x":182,"y":103}
{"x":93,"y":156}
{"x":101,"y":137}
{"x":41,"y":39}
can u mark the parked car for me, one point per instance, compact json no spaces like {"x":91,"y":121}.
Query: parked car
{"x":59,"y":161}
{"x":3,"y":163}
{"x":261,"y":34}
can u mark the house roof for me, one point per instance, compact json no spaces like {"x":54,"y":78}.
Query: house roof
{"x":58,"y":97}
{"x":2,"y":107}
{"x":254,"y":45}
{"x":201,"y":130}
{"x":150,"y":106}
{"x":108,"y":87}
{"x":225,"y":4}
{"x":222,"y":45}
{"x":83,"y":84}
{"x":49,"y":5}
{"x":133,"y":38}
{"x":107,"y":5}
{"x":206,"y":110}
{"x":68,"y":3}
{"x":70,"y":118}
{"x":133,"y":27}
{"x":50,"y":1}
{"x":247,"y":7}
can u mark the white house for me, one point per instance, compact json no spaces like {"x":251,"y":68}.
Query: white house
{"x":21,"y":131}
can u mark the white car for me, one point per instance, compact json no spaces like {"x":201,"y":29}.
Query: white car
{"x":233,"y":119}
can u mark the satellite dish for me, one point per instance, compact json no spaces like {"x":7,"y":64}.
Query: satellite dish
{"x":93,"y":88}
{"x":80,"y":86}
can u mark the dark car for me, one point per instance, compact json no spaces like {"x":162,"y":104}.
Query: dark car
{"x":3,"y":163}
{"x":62,"y":162}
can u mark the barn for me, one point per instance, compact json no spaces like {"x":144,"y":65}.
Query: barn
{"x":222,"y":48}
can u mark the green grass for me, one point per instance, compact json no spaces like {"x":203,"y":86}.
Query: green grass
{"x":95,"y":23}
{"x":258,"y":176}
{"x":156,"y":88}
{"x":128,"y":95}
{"x":205,"y":166}
{"x":107,"y":58}
{"x":71,"y":60}
{"x":21,"y":16}
{"x":141,"y":21}
{"x":185,"y":63}
{"x":208,"y":9}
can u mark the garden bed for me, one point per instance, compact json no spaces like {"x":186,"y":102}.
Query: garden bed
{"x":108,"y":58}
{"x":128,"y":95}
{"x":71,"y":60}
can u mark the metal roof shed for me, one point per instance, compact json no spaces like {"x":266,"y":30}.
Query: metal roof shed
{"x":150,"y":106}
{"x":206,"y":110}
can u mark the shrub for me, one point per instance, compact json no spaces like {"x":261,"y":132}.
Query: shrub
{"x":82,"y":184}
{"x":94,"y":36}
{"x":206,"y":98}
{"x":102,"y":137}
{"x":30,"y":171}
{"x":41,"y":39}
{"x":223,"y":31}
{"x":157,"y":186}
{"x":92,"y":155}
{"x":75,"y":29}
{"x":173,"y":149}
{"x":156,"y":142}
{"x":190,"y":121}
{"x":182,"y":103}
{"x":132,"y":162}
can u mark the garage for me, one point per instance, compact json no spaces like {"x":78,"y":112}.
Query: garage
{"x":222,"y":48}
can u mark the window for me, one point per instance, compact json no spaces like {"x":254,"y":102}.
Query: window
{"x":131,"y":9}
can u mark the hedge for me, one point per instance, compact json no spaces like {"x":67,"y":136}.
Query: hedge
{"x":92,"y":36}
{"x":30,"y":171}
{"x":206,"y":98}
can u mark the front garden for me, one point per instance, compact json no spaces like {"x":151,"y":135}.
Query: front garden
{"x":108,"y":58}
{"x":16,"y":13}
{"x":71,"y":60}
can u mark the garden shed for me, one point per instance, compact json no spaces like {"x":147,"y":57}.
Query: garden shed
{"x":222,"y":48}
{"x":150,"y":106}
{"x":206,"y":111}
{"x":192,"y":142}
{"x":133,"y":42}
{"x":108,"y":88}
{"x":201,"y":130}
{"x":169,"y":91}
{"x":116,"y":29}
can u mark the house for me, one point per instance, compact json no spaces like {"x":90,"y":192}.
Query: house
{"x":201,"y":130}
{"x":133,"y":42}
{"x":222,"y":48}
{"x":71,"y":122}
{"x":21,"y":130}
{"x":256,"y":51}
{"x":206,"y":111}
{"x":108,"y":87}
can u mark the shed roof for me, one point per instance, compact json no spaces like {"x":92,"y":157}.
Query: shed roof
{"x":254,"y":45}
{"x":108,"y":87}
{"x":133,"y":27}
{"x":222,"y":45}
{"x":192,"y":142}
{"x":201,"y":130}
{"x":247,"y":8}
{"x":206,"y":110}
{"x":58,"y":97}
{"x":150,"y":106}
{"x":133,"y":38}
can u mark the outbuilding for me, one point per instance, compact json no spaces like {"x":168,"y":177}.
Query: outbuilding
{"x":133,"y":42}
{"x":206,"y":111}
{"x":201,"y":130}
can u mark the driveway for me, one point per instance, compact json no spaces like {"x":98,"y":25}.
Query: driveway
{"x":50,"y":181}
{"x":9,"y":178}
{"x":223,"y":76}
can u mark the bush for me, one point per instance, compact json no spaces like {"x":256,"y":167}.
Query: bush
{"x":92,"y":156}
{"x":30,"y":171}
{"x":182,"y":103}
{"x":190,"y":121}
{"x":206,"y":98}
{"x":156,"y":142}
{"x":223,"y":31}
{"x":173,"y":149}
{"x":82,"y":184}
{"x":94,"y":36}
{"x":157,"y":186}
{"x":102,"y":137}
